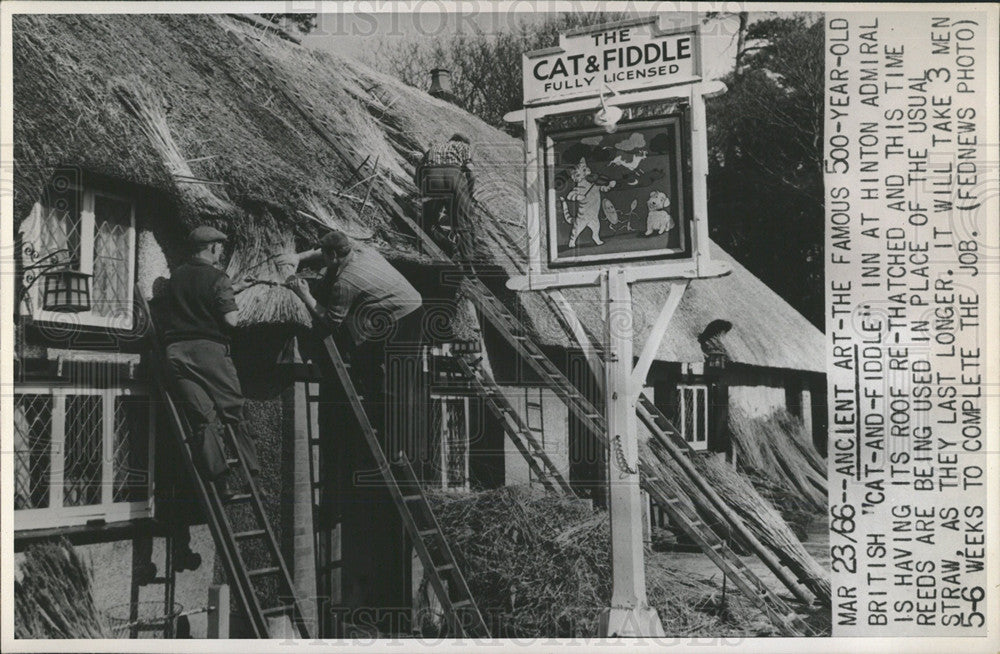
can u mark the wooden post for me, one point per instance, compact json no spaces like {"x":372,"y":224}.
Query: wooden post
{"x":630,"y":613}
{"x":302,"y":528}
{"x":280,"y":627}
{"x":218,"y":611}
{"x":532,"y":181}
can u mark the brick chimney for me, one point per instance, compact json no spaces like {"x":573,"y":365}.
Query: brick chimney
{"x":441,"y":84}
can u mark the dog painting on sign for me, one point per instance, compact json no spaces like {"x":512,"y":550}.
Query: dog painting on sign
{"x":617,"y":196}
{"x":658,"y":219}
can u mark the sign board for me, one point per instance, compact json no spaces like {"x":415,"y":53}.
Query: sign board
{"x":619,"y":196}
{"x":631,"y":54}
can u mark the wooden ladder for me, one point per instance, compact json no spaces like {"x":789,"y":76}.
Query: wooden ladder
{"x":442,"y":565}
{"x":521,"y":340}
{"x":519,"y":432}
{"x":236,"y":547}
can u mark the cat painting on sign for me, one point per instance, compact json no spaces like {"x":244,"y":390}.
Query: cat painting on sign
{"x":582,"y":205}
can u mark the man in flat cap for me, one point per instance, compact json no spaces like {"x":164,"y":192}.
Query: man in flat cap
{"x":365,"y":293}
{"x":199,"y":311}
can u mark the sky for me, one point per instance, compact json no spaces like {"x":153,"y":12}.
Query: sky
{"x":363,"y":35}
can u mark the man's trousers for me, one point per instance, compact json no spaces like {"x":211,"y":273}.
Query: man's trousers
{"x":209,"y":388}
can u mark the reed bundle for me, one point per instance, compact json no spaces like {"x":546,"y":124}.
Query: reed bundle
{"x":54,"y":597}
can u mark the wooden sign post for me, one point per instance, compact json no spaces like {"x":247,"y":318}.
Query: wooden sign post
{"x":630,"y":613}
{"x":615,"y":167}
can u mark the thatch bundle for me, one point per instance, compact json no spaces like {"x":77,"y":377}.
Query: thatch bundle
{"x":54,"y":598}
{"x":145,"y":105}
{"x":766,"y":524}
{"x":755,"y":512}
{"x":539,"y":566}
{"x":779,"y":449}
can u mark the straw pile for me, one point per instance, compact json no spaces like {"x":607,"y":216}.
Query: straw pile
{"x":54,"y":598}
{"x":779,"y":450}
{"x":539,"y":566}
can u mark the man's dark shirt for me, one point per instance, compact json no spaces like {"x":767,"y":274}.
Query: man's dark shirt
{"x":198,"y":296}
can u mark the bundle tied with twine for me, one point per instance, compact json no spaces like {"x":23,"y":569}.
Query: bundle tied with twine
{"x":539,"y":565}
{"x":266,"y":299}
{"x":147,"y":108}
{"x":766,"y":524}
{"x":778,"y":449}
{"x":54,"y":598}
{"x":759,"y":516}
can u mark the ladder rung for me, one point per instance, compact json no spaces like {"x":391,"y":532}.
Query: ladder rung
{"x":445,"y":567}
{"x":253,"y":533}
{"x":411,"y":498}
{"x":232,"y":462}
{"x":238,"y":497}
{"x":276,"y":610}
{"x":461,"y":603}
{"x":259,"y":572}
{"x":423,"y":533}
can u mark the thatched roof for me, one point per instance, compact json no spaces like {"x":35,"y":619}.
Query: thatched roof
{"x":766,"y":331}
{"x":281,"y":128}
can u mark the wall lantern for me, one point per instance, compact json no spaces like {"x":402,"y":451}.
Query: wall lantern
{"x":715,"y":361}
{"x":66,"y":291}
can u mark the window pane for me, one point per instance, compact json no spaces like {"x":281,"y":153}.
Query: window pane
{"x":456,"y":442}
{"x":112,"y":225}
{"x":60,"y":224}
{"x":702,"y":414}
{"x":32,"y":457}
{"x":84,"y":445}
{"x":131,"y":449}
{"x":687,"y":396}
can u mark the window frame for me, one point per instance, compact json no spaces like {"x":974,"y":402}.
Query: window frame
{"x":699,"y":427}
{"x":56,"y":514}
{"x":443,"y":403}
{"x":88,"y":232}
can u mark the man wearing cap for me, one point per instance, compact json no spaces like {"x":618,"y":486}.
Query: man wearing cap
{"x":362,"y":291}
{"x":199,"y":310}
{"x":446,"y":180}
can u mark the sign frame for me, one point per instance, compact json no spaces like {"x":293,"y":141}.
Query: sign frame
{"x":629,"y":613}
{"x":678,"y":182}
{"x":539,"y":275}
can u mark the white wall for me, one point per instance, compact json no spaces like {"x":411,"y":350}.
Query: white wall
{"x":555,"y":419}
{"x":757,"y":401}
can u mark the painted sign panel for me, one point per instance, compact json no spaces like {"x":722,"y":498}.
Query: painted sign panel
{"x":632,"y":54}
{"x":618,"y":196}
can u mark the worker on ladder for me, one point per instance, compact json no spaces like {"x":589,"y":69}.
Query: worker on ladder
{"x":379,"y":307}
{"x":446,"y":182}
{"x":197,"y":312}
